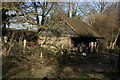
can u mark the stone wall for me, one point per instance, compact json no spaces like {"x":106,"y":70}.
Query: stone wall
{"x":55,"y":42}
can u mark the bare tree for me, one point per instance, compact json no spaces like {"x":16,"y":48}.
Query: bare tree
{"x":45,"y":7}
{"x":106,"y":24}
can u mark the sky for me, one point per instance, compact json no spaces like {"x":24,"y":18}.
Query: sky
{"x":20,"y":26}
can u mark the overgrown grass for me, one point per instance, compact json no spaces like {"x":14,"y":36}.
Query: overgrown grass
{"x":27,"y":63}
{"x":18,"y":56}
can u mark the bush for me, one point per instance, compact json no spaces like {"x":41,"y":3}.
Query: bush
{"x":114,"y":51}
{"x":36,"y":52}
{"x":14,"y":50}
{"x":62,"y":56}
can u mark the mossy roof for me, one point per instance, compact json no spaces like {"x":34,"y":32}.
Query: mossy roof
{"x":81,"y":28}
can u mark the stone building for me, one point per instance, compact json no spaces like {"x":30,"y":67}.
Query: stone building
{"x":70,"y":33}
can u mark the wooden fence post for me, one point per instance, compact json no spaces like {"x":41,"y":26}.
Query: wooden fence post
{"x":41,"y":54}
{"x":92,"y":44}
{"x":24,"y":45}
{"x":5,"y":39}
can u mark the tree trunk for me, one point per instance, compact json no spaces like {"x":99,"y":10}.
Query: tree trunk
{"x":69,"y":9}
{"x":113,"y":45}
{"x":4,"y":18}
{"x":43,"y":20}
{"x":37,"y":17}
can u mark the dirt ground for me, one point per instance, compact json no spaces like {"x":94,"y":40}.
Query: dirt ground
{"x":94,"y":66}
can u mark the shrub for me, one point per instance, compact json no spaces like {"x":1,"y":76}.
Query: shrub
{"x":114,"y":51}
{"x":62,"y":56}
